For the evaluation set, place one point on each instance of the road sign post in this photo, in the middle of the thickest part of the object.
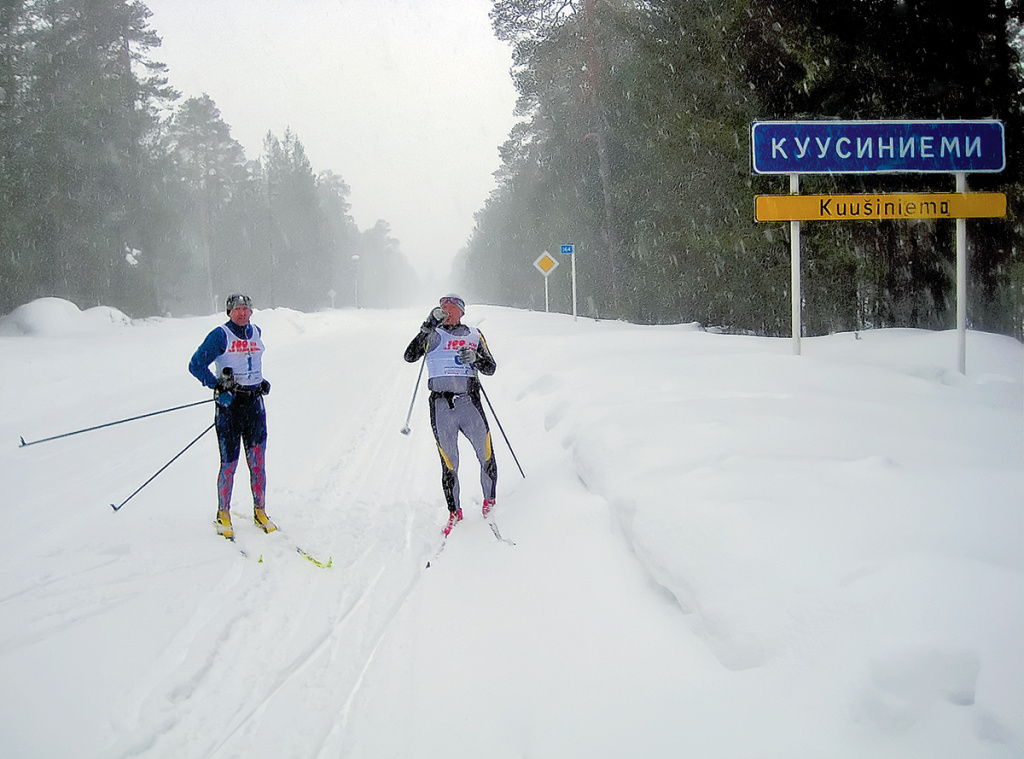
(795, 271)
(545, 264)
(570, 250)
(883, 147)
(961, 279)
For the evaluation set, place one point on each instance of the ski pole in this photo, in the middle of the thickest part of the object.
(498, 422)
(111, 424)
(405, 430)
(118, 507)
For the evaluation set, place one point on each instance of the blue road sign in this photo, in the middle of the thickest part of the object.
(884, 147)
(567, 250)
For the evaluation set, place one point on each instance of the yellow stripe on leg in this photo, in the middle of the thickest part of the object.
(444, 457)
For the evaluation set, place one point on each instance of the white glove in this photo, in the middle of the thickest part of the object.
(437, 316)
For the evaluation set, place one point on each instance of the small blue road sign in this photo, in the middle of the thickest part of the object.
(567, 250)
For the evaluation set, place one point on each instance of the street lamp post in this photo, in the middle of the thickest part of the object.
(355, 277)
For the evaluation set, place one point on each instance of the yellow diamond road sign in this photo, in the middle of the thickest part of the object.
(545, 263)
(951, 205)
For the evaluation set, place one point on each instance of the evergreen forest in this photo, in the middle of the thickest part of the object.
(112, 192)
(632, 144)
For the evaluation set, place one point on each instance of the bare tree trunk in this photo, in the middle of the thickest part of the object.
(600, 136)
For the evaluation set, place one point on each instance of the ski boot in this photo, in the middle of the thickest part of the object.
(488, 507)
(454, 517)
(259, 516)
(223, 523)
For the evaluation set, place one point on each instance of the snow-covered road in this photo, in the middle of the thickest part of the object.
(721, 549)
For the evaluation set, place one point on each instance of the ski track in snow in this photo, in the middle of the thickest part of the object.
(352, 477)
(348, 497)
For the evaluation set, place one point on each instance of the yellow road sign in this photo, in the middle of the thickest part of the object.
(545, 263)
(952, 205)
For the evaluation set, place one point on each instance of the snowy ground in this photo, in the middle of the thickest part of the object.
(723, 550)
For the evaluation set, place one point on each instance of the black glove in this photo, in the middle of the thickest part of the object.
(437, 316)
(223, 392)
(468, 355)
(264, 388)
(226, 381)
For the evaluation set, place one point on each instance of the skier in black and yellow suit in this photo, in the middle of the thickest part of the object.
(454, 354)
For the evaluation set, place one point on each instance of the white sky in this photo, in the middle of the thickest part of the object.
(406, 100)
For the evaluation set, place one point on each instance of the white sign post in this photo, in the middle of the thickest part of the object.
(570, 250)
(795, 269)
(961, 281)
(545, 264)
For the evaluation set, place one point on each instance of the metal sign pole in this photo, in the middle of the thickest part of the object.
(568, 249)
(961, 281)
(573, 262)
(794, 255)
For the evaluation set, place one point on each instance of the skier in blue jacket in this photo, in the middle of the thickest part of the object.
(236, 348)
(454, 354)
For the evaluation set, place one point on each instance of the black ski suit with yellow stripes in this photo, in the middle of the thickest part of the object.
(455, 407)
